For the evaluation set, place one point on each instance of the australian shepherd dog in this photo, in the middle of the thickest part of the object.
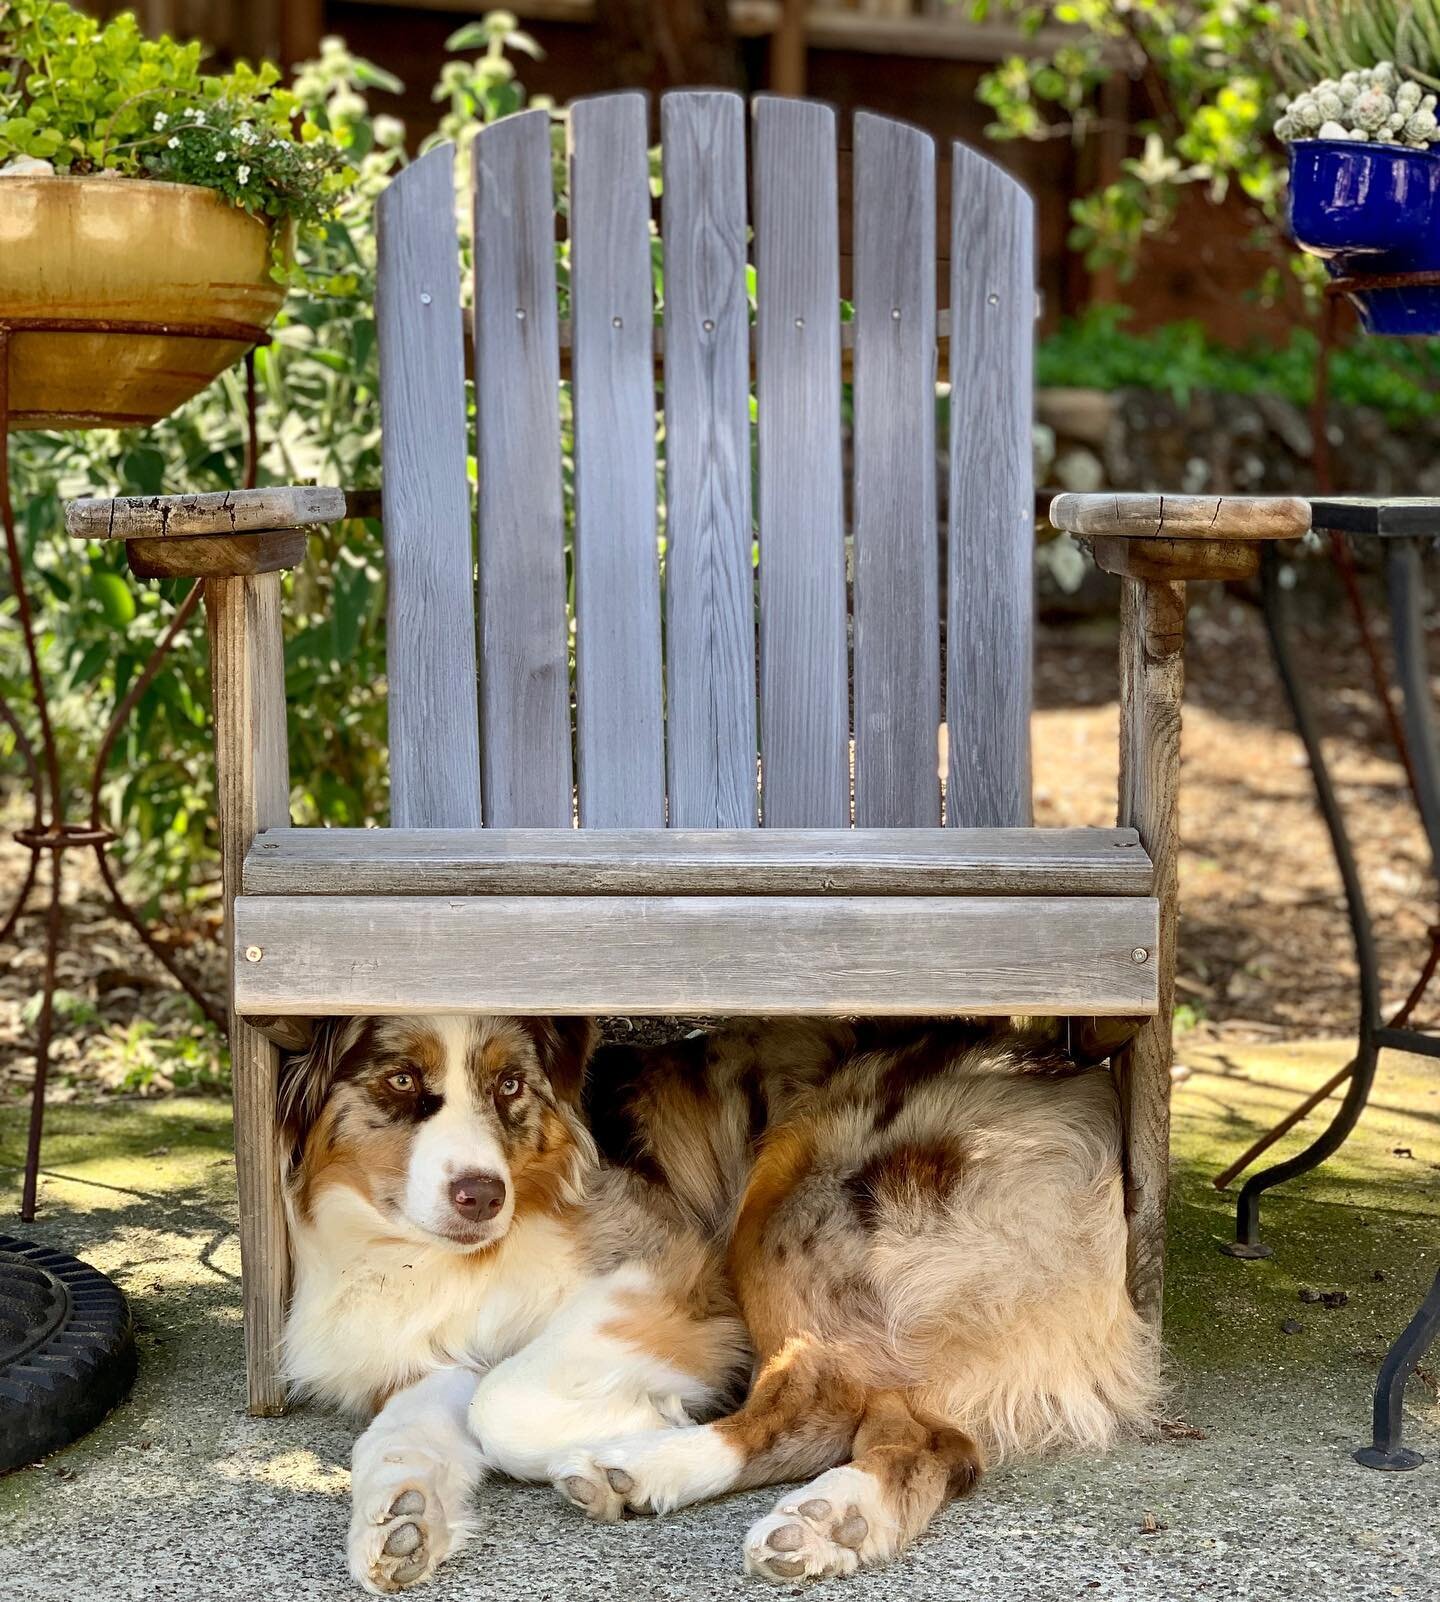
(863, 1261)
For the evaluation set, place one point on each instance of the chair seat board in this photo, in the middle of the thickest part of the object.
(897, 600)
(992, 495)
(441, 862)
(525, 754)
(709, 577)
(619, 745)
(804, 683)
(665, 955)
(430, 589)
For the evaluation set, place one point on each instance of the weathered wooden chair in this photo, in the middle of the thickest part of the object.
(482, 896)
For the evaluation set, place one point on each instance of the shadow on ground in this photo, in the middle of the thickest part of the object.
(180, 1496)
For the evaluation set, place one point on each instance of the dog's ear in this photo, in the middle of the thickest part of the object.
(564, 1046)
(307, 1077)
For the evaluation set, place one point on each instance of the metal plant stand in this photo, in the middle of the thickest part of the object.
(1405, 527)
(51, 832)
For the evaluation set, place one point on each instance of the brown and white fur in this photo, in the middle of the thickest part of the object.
(900, 1251)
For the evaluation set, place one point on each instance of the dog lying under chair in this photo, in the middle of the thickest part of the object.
(865, 1259)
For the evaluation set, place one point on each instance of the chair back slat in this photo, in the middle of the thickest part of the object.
(992, 495)
(897, 547)
(430, 616)
(619, 718)
(804, 695)
(709, 571)
(525, 762)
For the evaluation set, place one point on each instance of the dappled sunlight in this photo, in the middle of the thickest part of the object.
(298, 1469)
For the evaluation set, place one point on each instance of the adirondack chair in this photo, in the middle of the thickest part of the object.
(668, 899)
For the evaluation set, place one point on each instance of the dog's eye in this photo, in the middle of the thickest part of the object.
(403, 1081)
(511, 1085)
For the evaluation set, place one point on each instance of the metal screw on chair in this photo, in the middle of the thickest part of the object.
(253, 953)
(1139, 954)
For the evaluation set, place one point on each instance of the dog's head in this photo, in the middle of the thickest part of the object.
(449, 1127)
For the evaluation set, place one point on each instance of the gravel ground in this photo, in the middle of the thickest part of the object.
(1250, 1493)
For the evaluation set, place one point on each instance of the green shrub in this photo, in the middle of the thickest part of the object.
(319, 422)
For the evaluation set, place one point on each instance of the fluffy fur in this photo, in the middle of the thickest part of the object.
(879, 1256)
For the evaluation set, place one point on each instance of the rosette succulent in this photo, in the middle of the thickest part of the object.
(1374, 104)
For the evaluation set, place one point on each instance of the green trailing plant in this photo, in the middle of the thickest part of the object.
(79, 96)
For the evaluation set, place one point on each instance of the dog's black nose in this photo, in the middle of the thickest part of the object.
(477, 1196)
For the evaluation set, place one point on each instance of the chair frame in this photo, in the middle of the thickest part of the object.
(239, 544)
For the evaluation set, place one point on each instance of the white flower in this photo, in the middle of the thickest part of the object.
(245, 133)
(222, 155)
(160, 121)
(242, 174)
(173, 142)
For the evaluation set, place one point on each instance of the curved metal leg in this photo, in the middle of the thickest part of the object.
(1386, 1452)
(1247, 1216)
(1405, 583)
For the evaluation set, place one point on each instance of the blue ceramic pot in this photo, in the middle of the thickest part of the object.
(1371, 208)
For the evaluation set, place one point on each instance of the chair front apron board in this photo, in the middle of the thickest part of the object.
(698, 767)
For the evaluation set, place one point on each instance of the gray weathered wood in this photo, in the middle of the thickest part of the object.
(430, 573)
(1182, 517)
(684, 954)
(992, 496)
(253, 792)
(804, 695)
(1152, 685)
(525, 768)
(709, 570)
(1007, 862)
(159, 517)
(619, 720)
(897, 603)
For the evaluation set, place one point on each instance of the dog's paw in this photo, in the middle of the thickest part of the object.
(399, 1529)
(829, 1527)
(651, 1473)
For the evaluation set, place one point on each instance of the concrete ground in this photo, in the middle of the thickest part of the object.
(1250, 1493)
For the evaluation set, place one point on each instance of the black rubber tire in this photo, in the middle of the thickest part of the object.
(67, 1350)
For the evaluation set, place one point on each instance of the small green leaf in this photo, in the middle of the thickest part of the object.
(116, 598)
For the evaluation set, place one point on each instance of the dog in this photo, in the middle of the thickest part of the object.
(869, 1260)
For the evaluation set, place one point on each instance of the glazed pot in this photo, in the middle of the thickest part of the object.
(99, 252)
(1371, 209)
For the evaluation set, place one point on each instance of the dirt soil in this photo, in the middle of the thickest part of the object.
(1264, 951)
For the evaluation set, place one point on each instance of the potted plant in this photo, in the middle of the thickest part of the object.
(1362, 134)
(137, 189)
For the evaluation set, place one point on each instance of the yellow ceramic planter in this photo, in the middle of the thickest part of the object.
(94, 252)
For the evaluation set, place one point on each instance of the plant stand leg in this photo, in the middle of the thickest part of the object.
(253, 775)
(1152, 681)
(1386, 1452)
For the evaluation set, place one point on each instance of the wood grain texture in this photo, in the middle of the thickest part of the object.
(163, 517)
(1177, 559)
(204, 556)
(619, 716)
(1152, 682)
(992, 496)
(253, 779)
(430, 572)
(1183, 517)
(525, 766)
(897, 600)
(687, 954)
(445, 862)
(709, 572)
(804, 690)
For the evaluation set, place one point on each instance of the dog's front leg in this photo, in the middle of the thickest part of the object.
(412, 1475)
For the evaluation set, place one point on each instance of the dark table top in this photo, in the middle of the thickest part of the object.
(1394, 515)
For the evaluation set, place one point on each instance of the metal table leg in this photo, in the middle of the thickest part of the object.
(1386, 1452)
(1247, 1221)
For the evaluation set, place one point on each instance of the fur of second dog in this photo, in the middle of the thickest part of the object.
(901, 1252)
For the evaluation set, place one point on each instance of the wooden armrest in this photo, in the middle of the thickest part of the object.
(273, 510)
(1182, 517)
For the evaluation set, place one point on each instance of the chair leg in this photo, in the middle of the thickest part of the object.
(253, 774)
(1152, 681)
(1385, 1451)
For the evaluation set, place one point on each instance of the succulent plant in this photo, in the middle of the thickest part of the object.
(1367, 103)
